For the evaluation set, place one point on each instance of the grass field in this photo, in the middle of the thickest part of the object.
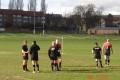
(78, 62)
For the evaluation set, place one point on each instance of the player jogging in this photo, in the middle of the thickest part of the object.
(97, 54)
(25, 55)
(34, 55)
(58, 48)
(107, 49)
(52, 53)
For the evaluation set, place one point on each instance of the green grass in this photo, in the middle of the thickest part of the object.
(78, 62)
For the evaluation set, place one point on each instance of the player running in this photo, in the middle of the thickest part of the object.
(97, 54)
(52, 53)
(25, 55)
(58, 48)
(107, 49)
(34, 55)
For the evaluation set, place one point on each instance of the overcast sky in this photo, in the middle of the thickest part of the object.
(65, 6)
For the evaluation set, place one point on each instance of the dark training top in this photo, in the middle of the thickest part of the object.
(34, 51)
(58, 47)
(97, 50)
(52, 53)
(25, 48)
(107, 50)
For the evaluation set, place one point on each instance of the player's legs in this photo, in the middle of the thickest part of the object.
(37, 65)
(25, 60)
(56, 65)
(52, 65)
(96, 63)
(106, 59)
(100, 63)
(24, 65)
(33, 63)
(59, 61)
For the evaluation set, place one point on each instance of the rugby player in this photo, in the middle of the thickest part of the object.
(97, 54)
(34, 55)
(25, 55)
(58, 48)
(52, 53)
(107, 49)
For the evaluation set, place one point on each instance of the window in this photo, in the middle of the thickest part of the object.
(14, 15)
(19, 20)
(0, 15)
(18, 15)
(38, 17)
(25, 16)
(25, 21)
(14, 20)
(0, 19)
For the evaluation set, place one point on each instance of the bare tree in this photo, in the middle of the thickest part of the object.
(68, 14)
(100, 10)
(79, 14)
(32, 5)
(12, 4)
(43, 6)
(89, 17)
(90, 8)
(79, 10)
(99, 13)
(86, 17)
(19, 5)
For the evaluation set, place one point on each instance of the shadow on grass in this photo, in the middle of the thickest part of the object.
(90, 69)
(84, 69)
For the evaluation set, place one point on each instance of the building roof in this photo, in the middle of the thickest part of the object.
(20, 12)
(116, 19)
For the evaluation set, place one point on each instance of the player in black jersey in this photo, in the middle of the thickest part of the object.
(58, 48)
(97, 54)
(25, 55)
(52, 53)
(34, 55)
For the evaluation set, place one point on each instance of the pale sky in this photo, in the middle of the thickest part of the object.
(66, 6)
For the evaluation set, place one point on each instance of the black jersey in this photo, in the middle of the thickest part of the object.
(52, 53)
(25, 56)
(58, 48)
(34, 51)
(97, 50)
(25, 48)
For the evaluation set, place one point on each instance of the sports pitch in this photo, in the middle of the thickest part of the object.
(78, 62)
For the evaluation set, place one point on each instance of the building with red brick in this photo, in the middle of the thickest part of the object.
(17, 18)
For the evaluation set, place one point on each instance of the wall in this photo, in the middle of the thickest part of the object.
(94, 31)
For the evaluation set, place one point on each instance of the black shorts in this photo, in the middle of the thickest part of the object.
(107, 54)
(97, 56)
(58, 54)
(25, 57)
(53, 58)
(34, 58)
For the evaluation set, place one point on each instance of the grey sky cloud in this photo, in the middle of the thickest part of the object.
(62, 6)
